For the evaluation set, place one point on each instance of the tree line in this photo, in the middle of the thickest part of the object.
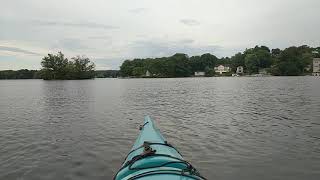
(35, 74)
(291, 61)
(106, 73)
(20, 74)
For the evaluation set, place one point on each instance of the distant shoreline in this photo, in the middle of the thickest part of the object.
(159, 78)
(248, 76)
(35, 74)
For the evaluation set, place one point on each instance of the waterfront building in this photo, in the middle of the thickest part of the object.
(316, 67)
(222, 69)
(147, 73)
(239, 70)
(199, 73)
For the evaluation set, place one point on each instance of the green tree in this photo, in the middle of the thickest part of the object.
(292, 61)
(252, 63)
(81, 68)
(54, 66)
(275, 52)
(263, 54)
(126, 68)
(209, 72)
(264, 57)
(181, 65)
(208, 60)
(138, 71)
(316, 52)
(196, 64)
(237, 60)
(200, 63)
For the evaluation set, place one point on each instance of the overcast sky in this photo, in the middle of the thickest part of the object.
(110, 31)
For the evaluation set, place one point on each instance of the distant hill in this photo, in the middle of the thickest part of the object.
(35, 74)
(106, 73)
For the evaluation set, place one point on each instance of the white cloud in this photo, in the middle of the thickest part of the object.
(17, 50)
(190, 22)
(138, 10)
(73, 24)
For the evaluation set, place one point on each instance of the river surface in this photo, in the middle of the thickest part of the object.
(228, 128)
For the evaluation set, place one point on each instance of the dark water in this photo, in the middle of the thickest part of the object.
(229, 128)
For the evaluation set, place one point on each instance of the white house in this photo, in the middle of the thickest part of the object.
(199, 73)
(222, 69)
(148, 73)
(316, 67)
(239, 70)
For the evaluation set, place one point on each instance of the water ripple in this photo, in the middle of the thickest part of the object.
(229, 128)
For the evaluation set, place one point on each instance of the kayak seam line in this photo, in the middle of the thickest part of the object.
(129, 164)
(155, 172)
(163, 144)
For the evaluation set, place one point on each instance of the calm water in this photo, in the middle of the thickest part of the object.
(229, 128)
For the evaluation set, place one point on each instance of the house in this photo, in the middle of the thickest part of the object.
(148, 73)
(316, 67)
(222, 69)
(199, 73)
(239, 70)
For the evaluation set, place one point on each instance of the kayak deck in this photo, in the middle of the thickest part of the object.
(151, 157)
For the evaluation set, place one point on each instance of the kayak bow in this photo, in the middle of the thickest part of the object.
(152, 157)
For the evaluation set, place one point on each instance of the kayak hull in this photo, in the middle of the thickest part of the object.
(151, 157)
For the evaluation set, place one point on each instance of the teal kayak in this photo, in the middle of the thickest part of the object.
(153, 158)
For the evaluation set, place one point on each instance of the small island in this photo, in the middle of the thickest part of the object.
(57, 67)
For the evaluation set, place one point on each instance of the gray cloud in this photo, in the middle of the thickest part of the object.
(48, 26)
(75, 24)
(137, 10)
(99, 37)
(187, 41)
(70, 44)
(190, 22)
(17, 50)
(107, 63)
(152, 48)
